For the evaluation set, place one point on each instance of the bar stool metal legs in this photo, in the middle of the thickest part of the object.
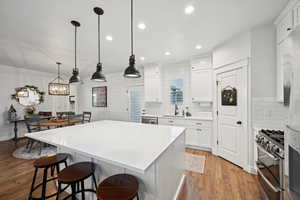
(75, 175)
(46, 163)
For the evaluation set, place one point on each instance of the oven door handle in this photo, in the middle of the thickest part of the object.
(275, 189)
(270, 155)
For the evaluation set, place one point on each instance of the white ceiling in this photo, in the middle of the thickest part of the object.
(36, 33)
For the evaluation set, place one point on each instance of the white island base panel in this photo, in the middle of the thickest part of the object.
(163, 180)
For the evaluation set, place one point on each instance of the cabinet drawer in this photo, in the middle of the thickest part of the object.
(166, 121)
(200, 137)
(198, 123)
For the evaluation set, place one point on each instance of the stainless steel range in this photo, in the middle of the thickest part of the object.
(270, 162)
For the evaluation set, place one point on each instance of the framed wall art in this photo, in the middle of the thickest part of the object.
(229, 96)
(99, 96)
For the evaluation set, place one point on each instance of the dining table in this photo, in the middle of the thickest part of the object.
(57, 122)
(16, 121)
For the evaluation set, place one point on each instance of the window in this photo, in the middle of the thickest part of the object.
(176, 91)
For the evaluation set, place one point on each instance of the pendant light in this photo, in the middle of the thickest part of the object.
(57, 86)
(131, 71)
(75, 77)
(98, 75)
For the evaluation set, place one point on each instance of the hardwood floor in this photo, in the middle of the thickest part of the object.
(220, 181)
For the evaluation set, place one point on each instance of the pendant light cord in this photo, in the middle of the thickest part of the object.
(99, 39)
(58, 66)
(131, 27)
(75, 47)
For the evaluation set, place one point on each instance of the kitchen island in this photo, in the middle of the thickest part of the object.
(152, 153)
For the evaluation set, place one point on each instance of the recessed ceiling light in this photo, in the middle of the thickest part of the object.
(142, 26)
(167, 53)
(109, 38)
(189, 9)
(142, 58)
(198, 46)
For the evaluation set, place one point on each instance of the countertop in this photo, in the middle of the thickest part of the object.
(134, 146)
(204, 117)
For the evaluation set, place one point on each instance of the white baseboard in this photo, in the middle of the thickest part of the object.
(250, 169)
(180, 186)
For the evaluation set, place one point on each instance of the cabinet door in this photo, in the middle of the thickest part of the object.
(201, 63)
(204, 137)
(201, 85)
(284, 62)
(192, 137)
(152, 84)
(297, 15)
(285, 27)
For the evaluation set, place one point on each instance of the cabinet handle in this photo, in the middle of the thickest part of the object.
(198, 129)
(171, 121)
(288, 29)
(198, 123)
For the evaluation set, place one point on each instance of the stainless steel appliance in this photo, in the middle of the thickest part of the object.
(294, 162)
(149, 120)
(270, 162)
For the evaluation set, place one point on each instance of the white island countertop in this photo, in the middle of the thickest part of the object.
(133, 146)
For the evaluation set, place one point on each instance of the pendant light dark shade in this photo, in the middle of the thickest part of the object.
(98, 75)
(75, 77)
(131, 71)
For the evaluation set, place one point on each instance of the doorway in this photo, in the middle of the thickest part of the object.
(231, 105)
(136, 103)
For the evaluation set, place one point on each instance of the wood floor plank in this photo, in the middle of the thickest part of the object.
(221, 179)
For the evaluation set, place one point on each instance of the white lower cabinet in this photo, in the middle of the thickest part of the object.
(198, 133)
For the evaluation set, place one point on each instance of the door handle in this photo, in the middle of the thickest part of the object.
(239, 122)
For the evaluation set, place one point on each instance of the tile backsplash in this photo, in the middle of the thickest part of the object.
(268, 113)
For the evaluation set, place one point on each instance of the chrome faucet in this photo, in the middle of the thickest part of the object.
(176, 110)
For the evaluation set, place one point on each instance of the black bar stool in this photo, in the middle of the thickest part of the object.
(120, 186)
(74, 175)
(46, 163)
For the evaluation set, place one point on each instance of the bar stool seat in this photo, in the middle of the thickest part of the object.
(76, 172)
(50, 160)
(75, 175)
(45, 163)
(120, 186)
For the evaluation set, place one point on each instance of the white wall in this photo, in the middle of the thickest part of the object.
(266, 111)
(172, 71)
(259, 45)
(11, 78)
(263, 62)
(233, 50)
(117, 98)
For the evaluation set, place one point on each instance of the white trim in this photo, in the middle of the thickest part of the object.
(245, 65)
(265, 99)
(180, 186)
(288, 8)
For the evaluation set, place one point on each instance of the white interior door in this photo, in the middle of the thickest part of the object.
(136, 103)
(230, 115)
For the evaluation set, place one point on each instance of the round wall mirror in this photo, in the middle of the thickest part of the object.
(28, 96)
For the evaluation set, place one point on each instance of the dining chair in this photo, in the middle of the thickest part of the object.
(45, 113)
(70, 117)
(86, 117)
(30, 128)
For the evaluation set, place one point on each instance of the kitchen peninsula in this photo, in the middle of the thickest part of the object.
(152, 153)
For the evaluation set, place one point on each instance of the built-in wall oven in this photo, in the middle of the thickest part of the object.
(270, 162)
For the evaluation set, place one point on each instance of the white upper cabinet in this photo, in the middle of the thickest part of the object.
(297, 15)
(153, 84)
(201, 80)
(285, 27)
(284, 63)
